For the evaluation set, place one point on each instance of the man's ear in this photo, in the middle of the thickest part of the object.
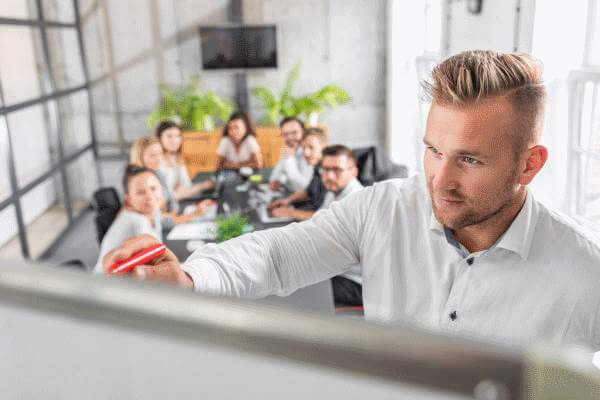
(355, 171)
(126, 200)
(536, 157)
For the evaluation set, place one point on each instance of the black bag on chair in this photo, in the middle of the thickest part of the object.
(374, 166)
(107, 205)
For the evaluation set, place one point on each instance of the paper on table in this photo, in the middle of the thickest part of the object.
(193, 230)
(193, 245)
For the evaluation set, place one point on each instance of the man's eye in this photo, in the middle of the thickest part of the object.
(433, 150)
(471, 160)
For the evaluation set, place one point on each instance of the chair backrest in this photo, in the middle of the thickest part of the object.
(374, 166)
(106, 198)
(107, 205)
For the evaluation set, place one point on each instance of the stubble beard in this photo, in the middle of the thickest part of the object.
(473, 215)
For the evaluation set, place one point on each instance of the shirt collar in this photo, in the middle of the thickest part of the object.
(518, 236)
(353, 185)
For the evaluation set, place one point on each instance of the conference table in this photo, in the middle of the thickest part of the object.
(235, 196)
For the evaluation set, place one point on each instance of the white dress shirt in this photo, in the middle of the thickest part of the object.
(293, 172)
(175, 175)
(248, 147)
(355, 273)
(539, 281)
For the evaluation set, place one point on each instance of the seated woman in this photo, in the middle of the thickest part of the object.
(172, 169)
(238, 147)
(140, 214)
(147, 152)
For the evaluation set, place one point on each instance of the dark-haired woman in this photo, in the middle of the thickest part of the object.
(238, 147)
(172, 168)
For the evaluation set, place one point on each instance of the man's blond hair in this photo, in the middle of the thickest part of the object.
(476, 75)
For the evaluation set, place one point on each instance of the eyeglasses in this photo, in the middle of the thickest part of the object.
(337, 171)
(290, 133)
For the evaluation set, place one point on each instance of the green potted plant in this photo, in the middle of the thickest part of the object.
(309, 106)
(192, 107)
(231, 226)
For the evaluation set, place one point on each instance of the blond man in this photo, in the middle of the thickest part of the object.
(465, 248)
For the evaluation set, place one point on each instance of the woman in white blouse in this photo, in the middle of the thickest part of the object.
(141, 212)
(238, 147)
(172, 168)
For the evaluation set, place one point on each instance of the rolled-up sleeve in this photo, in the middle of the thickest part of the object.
(281, 260)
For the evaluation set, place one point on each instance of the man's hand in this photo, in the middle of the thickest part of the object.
(207, 184)
(274, 185)
(164, 268)
(203, 206)
(283, 212)
(279, 203)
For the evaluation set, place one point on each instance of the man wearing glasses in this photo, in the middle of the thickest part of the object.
(338, 173)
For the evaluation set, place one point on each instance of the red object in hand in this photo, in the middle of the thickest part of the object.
(139, 258)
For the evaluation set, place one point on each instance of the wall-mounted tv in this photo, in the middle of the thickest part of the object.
(238, 47)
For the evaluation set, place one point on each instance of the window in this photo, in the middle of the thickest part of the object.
(584, 126)
(584, 149)
(47, 165)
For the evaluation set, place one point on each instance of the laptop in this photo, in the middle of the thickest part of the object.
(265, 218)
(213, 194)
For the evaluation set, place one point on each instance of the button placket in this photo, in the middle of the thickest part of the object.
(451, 315)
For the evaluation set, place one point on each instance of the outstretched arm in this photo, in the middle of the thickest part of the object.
(279, 261)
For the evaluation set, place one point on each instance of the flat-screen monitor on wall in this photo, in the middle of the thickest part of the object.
(238, 47)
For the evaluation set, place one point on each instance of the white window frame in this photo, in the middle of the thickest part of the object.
(577, 196)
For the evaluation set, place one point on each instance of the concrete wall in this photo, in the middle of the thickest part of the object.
(335, 41)
(503, 25)
(135, 45)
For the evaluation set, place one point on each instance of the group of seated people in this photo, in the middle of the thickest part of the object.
(156, 181)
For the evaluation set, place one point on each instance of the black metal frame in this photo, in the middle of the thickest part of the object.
(59, 167)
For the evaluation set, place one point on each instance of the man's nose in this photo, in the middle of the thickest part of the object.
(446, 176)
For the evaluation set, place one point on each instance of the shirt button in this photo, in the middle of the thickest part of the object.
(453, 316)
(470, 260)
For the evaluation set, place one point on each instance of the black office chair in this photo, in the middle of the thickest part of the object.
(107, 204)
(374, 166)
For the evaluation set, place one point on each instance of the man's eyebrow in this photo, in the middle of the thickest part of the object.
(470, 153)
(461, 152)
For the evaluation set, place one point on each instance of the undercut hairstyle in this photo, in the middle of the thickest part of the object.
(315, 131)
(138, 147)
(290, 119)
(339, 150)
(247, 123)
(133, 170)
(472, 76)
